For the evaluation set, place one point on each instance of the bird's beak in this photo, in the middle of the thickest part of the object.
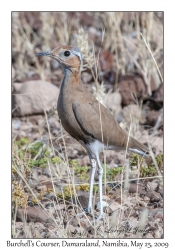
(48, 53)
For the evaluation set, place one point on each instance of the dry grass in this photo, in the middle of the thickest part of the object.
(119, 33)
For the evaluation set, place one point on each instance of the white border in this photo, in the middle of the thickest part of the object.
(5, 96)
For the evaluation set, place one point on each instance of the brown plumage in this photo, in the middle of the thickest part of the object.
(84, 118)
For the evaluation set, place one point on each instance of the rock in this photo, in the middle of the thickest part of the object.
(105, 197)
(106, 60)
(154, 196)
(154, 117)
(19, 224)
(33, 214)
(129, 84)
(157, 145)
(60, 206)
(84, 161)
(42, 188)
(133, 222)
(74, 222)
(161, 192)
(149, 236)
(87, 77)
(152, 185)
(113, 102)
(82, 200)
(161, 204)
(42, 179)
(157, 234)
(158, 211)
(32, 104)
(142, 203)
(104, 204)
(159, 214)
(13, 72)
(147, 199)
(72, 229)
(158, 94)
(133, 188)
(90, 230)
(16, 124)
(115, 205)
(131, 112)
(17, 87)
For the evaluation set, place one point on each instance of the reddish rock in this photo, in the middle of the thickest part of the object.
(133, 188)
(154, 196)
(131, 84)
(34, 214)
(37, 96)
(106, 60)
(158, 94)
(153, 116)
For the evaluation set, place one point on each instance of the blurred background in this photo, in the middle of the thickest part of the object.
(118, 66)
(122, 66)
(115, 54)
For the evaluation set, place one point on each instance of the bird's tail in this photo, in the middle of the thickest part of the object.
(137, 147)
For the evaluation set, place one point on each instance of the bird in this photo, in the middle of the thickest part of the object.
(86, 119)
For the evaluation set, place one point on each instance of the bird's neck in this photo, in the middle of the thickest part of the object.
(70, 83)
(72, 76)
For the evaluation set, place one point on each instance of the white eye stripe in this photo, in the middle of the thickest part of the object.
(78, 54)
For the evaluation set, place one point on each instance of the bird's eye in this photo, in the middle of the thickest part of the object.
(67, 53)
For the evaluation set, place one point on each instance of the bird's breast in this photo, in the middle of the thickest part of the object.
(66, 115)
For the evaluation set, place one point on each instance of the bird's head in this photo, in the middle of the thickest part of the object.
(68, 57)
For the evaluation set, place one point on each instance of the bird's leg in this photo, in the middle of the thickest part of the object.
(93, 166)
(100, 174)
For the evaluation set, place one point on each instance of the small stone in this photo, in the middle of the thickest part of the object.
(74, 223)
(154, 196)
(13, 72)
(60, 206)
(159, 215)
(82, 201)
(104, 204)
(105, 197)
(115, 205)
(33, 214)
(149, 236)
(133, 188)
(38, 95)
(157, 234)
(152, 185)
(161, 192)
(72, 229)
(86, 77)
(147, 199)
(16, 124)
(18, 224)
(159, 212)
(142, 203)
(161, 204)
(42, 188)
(113, 102)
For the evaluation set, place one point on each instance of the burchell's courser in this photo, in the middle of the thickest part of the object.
(85, 119)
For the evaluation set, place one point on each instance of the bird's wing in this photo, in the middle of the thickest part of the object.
(96, 121)
(87, 118)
